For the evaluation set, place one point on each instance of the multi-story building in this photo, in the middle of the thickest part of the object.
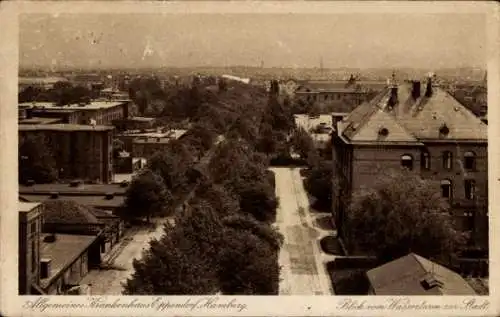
(97, 112)
(80, 151)
(30, 226)
(420, 127)
(351, 92)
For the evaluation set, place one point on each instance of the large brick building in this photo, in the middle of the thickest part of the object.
(98, 112)
(419, 126)
(80, 151)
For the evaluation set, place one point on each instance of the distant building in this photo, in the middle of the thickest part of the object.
(352, 92)
(134, 123)
(128, 136)
(415, 275)
(39, 82)
(80, 151)
(99, 112)
(420, 127)
(320, 128)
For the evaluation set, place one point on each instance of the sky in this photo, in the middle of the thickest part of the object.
(278, 40)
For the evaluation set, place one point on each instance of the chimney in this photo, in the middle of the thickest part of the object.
(428, 88)
(415, 92)
(45, 268)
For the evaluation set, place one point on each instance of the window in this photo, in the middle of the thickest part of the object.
(426, 160)
(468, 223)
(447, 160)
(470, 189)
(407, 161)
(446, 188)
(469, 161)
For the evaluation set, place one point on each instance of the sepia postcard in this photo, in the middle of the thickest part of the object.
(288, 158)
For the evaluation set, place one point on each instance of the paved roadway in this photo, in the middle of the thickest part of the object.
(108, 282)
(303, 269)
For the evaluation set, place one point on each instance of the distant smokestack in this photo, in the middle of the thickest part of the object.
(415, 92)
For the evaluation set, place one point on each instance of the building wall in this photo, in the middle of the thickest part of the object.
(359, 167)
(85, 155)
(29, 250)
(71, 276)
(368, 162)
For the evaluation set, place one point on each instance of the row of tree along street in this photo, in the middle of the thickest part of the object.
(222, 239)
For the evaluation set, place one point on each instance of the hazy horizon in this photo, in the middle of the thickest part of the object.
(420, 41)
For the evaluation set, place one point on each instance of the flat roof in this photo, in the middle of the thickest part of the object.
(153, 140)
(27, 206)
(97, 201)
(94, 105)
(90, 189)
(63, 252)
(39, 120)
(64, 127)
(139, 119)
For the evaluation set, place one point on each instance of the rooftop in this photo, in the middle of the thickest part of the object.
(438, 117)
(64, 127)
(342, 85)
(415, 275)
(63, 252)
(27, 206)
(94, 105)
(95, 201)
(63, 211)
(82, 189)
(153, 140)
(137, 119)
(39, 120)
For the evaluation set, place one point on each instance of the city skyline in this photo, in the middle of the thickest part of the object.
(277, 40)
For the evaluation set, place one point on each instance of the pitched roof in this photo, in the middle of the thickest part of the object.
(405, 276)
(68, 212)
(411, 120)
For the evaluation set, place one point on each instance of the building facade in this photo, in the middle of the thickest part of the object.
(420, 127)
(30, 226)
(80, 151)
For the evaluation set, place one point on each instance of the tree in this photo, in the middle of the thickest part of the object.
(319, 183)
(117, 147)
(402, 214)
(147, 196)
(248, 265)
(172, 165)
(249, 259)
(302, 142)
(36, 161)
(166, 269)
(222, 201)
(258, 199)
(185, 260)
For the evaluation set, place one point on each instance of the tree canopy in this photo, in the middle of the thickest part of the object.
(319, 182)
(147, 196)
(402, 214)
